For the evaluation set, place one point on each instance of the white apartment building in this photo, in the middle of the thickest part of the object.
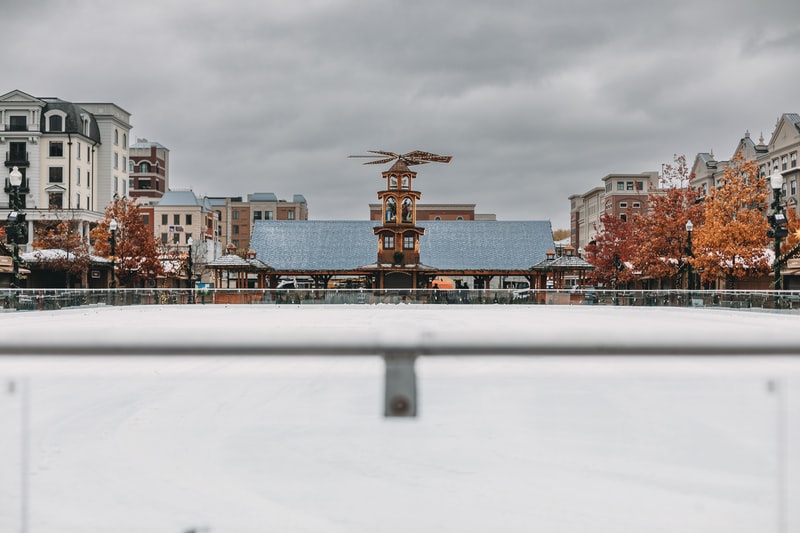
(72, 156)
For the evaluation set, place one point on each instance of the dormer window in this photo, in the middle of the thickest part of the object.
(55, 123)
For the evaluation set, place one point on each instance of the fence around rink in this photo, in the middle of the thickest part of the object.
(50, 299)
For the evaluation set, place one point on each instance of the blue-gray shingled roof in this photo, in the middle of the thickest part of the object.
(446, 245)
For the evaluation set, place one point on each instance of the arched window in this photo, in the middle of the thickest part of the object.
(116, 136)
(406, 182)
(124, 140)
(391, 210)
(55, 123)
(392, 182)
(144, 166)
(407, 209)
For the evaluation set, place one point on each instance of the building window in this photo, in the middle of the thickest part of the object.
(144, 166)
(636, 205)
(437, 218)
(793, 159)
(78, 200)
(124, 140)
(56, 174)
(392, 181)
(18, 153)
(623, 205)
(188, 220)
(256, 215)
(762, 171)
(188, 238)
(774, 165)
(17, 123)
(406, 182)
(784, 163)
(164, 220)
(116, 160)
(88, 154)
(290, 215)
(235, 230)
(408, 242)
(56, 149)
(629, 185)
(176, 220)
(116, 185)
(55, 123)
(459, 218)
(78, 151)
(77, 176)
(388, 242)
(639, 185)
(116, 136)
(624, 217)
(55, 200)
(124, 163)
(793, 187)
(176, 238)
(620, 185)
(88, 179)
(146, 219)
(268, 215)
(235, 215)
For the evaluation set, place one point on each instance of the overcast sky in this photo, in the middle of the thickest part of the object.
(535, 100)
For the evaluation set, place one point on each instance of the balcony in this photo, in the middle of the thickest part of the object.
(23, 189)
(18, 159)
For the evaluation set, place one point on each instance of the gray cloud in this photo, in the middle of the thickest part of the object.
(534, 100)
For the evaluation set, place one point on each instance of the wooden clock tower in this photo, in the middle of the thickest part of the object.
(398, 235)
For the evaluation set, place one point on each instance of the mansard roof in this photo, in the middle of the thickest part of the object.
(73, 122)
(446, 245)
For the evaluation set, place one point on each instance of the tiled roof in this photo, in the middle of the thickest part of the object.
(446, 245)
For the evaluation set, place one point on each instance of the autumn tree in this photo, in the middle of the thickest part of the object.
(613, 246)
(661, 249)
(64, 235)
(732, 242)
(136, 248)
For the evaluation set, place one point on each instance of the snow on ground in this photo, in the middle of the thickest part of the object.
(298, 444)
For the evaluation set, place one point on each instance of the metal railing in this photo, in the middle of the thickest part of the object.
(51, 299)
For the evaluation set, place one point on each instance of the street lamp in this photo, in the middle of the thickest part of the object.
(689, 228)
(17, 230)
(190, 273)
(779, 227)
(112, 240)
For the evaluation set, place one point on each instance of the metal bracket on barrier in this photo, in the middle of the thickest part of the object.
(401, 385)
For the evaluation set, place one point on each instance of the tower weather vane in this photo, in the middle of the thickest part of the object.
(417, 157)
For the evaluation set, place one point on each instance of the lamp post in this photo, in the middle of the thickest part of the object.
(778, 230)
(690, 274)
(16, 228)
(112, 240)
(190, 273)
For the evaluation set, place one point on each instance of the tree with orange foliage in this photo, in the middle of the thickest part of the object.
(612, 247)
(731, 244)
(661, 248)
(64, 236)
(136, 248)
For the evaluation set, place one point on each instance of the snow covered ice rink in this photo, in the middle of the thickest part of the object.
(298, 444)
